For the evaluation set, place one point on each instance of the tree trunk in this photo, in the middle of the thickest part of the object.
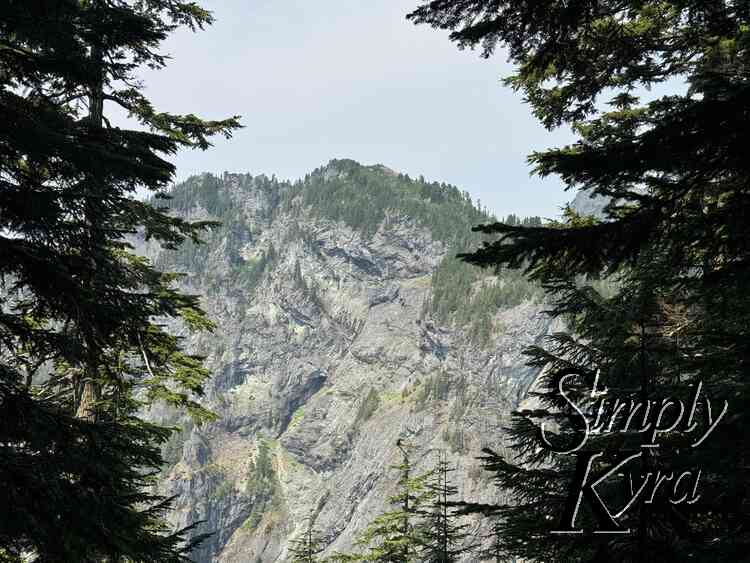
(87, 404)
(91, 391)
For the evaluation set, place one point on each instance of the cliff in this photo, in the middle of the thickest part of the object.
(343, 324)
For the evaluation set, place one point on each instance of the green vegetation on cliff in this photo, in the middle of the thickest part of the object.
(365, 198)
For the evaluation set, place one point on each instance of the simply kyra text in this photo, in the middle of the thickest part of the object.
(696, 418)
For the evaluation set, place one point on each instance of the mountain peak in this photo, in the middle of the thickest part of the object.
(347, 165)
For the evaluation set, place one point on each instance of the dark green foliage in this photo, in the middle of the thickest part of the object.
(75, 303)
(222, 200)
(445, 537)
(454, 280)
(674, 241)
(396, 535)
(307, 547)
(261, 470)
(495, 551)
(205, 191)
(263, 486)
(424, 525)
(55, 469)
(363, 196)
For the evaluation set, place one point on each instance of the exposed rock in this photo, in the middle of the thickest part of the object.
(587, 203)
(336, 315)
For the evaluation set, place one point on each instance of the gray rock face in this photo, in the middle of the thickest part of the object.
(320, 367)
(587, 203)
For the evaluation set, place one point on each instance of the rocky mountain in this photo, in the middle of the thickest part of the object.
(343, 324)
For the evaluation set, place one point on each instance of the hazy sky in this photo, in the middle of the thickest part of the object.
(332, 79)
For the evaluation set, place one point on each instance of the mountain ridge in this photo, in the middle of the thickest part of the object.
(339, 333)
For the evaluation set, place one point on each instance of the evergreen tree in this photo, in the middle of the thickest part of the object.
(81, 351)
(445, 536)
(308, 546)
(674, 239)
(396, 535)
(495, 552)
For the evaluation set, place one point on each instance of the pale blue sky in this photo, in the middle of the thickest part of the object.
(333, 79)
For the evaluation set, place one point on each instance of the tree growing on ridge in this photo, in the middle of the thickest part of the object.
(76, 460)
(674, 238)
